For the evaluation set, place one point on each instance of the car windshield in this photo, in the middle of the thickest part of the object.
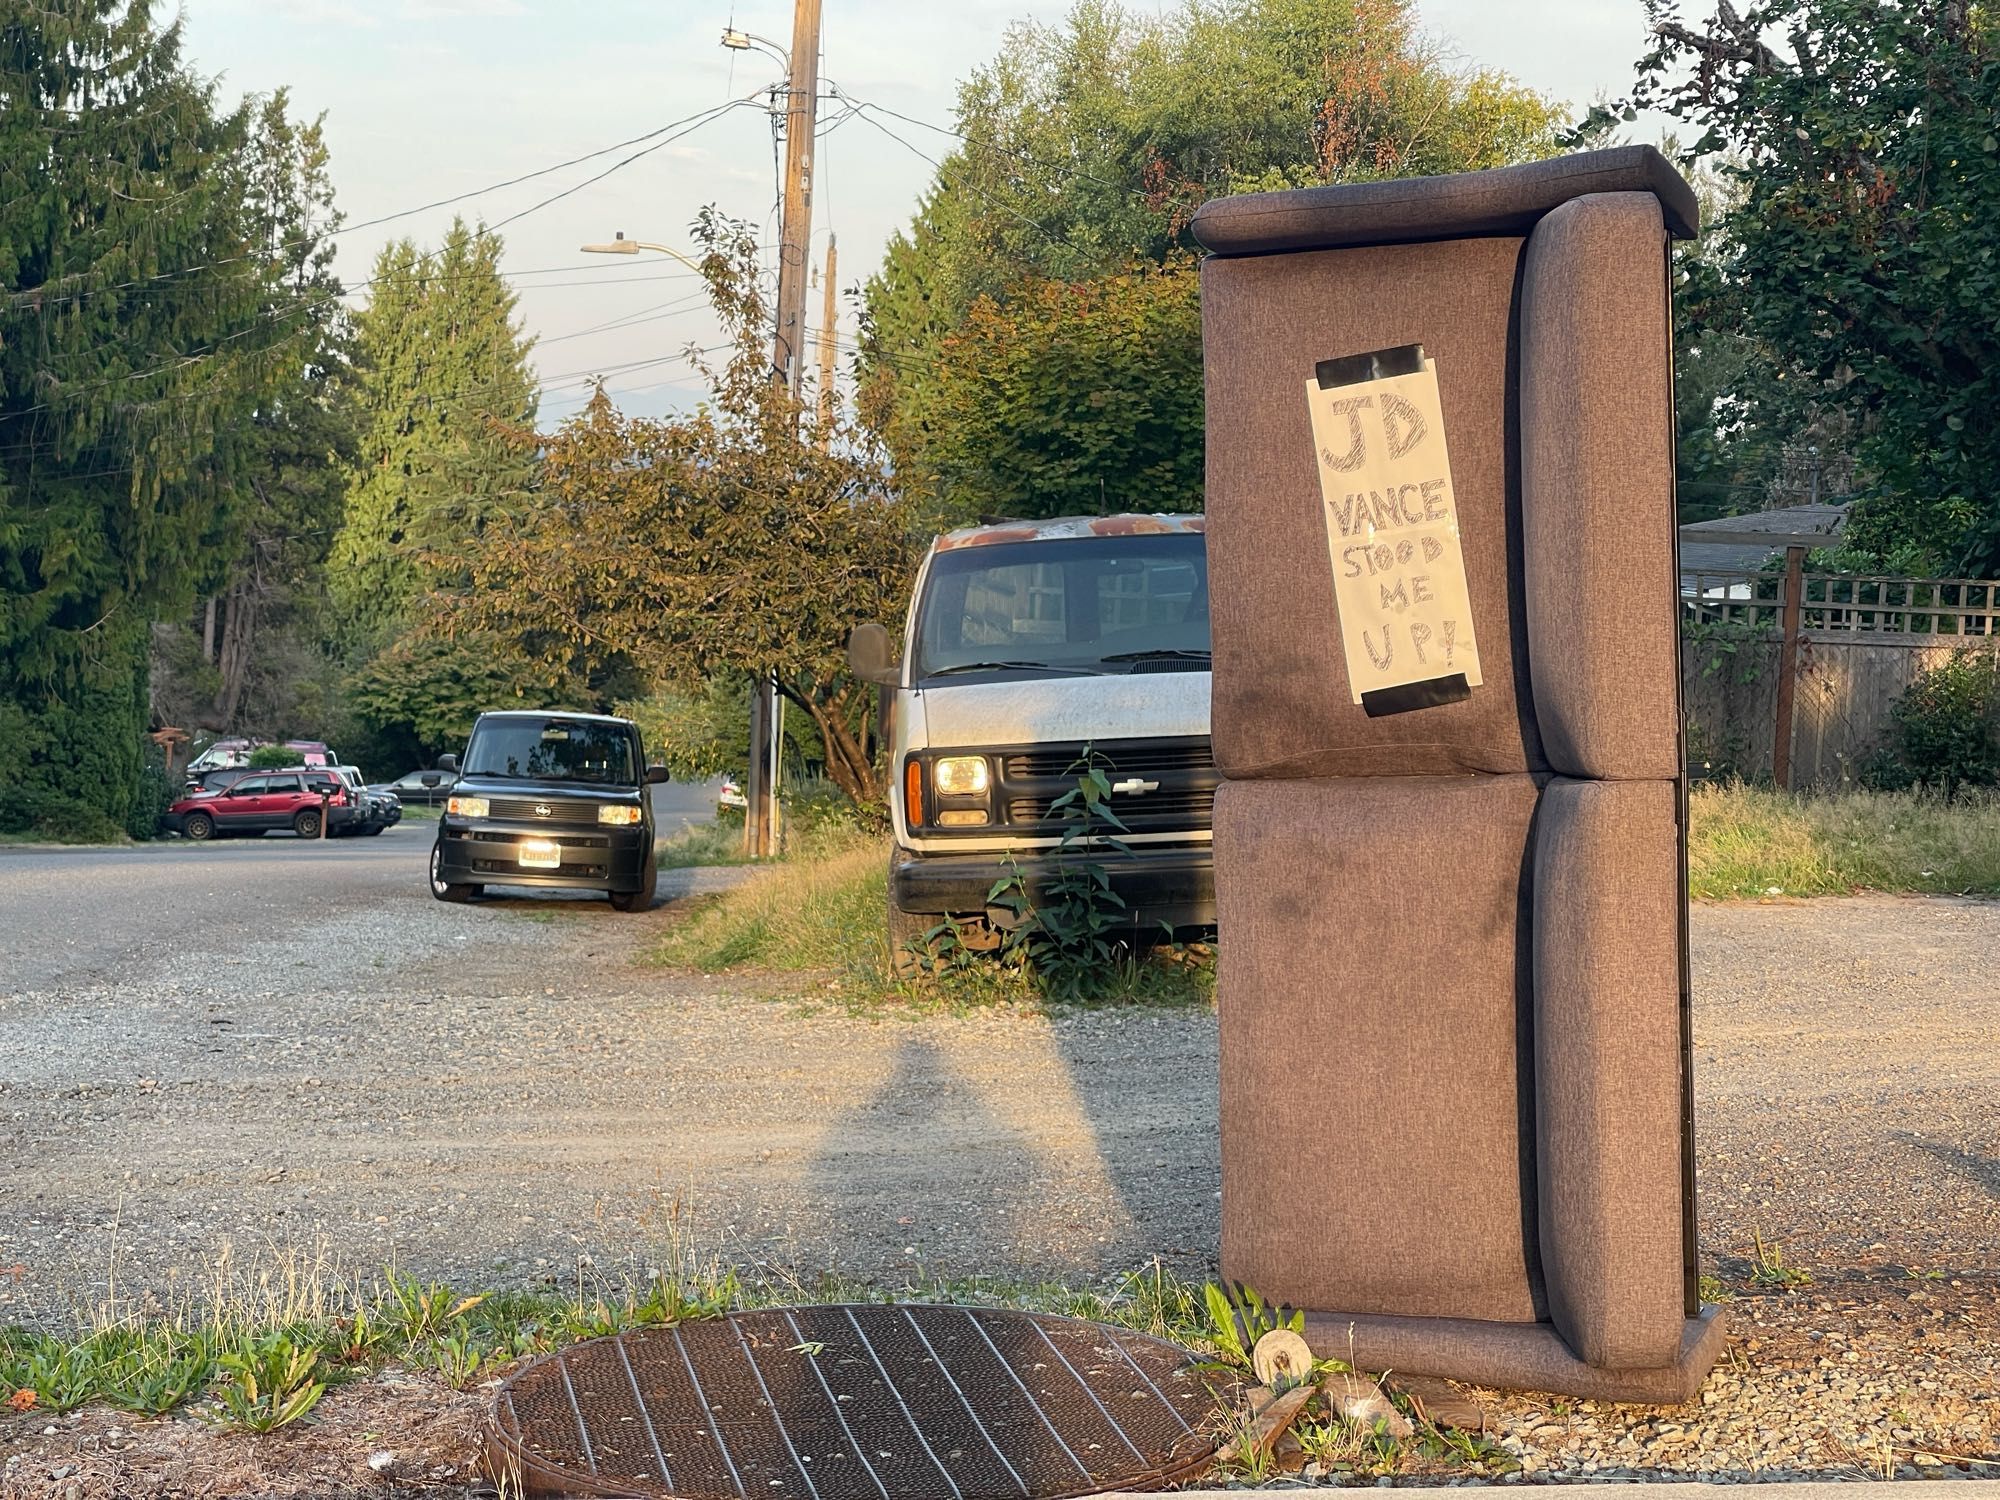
(1084, 604)
(553, 749)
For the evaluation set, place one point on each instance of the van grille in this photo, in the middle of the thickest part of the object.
(1177, 794)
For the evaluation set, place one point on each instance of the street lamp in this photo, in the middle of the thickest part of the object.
(623, 246)
(743, 41)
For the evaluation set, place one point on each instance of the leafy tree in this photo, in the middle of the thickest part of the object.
(421, 694)
(1865, 149)
(746, 536)
(447, 404)
(1051, 413)
(706, 732)
(1087, 147)
(136, 336)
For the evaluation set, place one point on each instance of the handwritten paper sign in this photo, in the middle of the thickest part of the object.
(1392, 530)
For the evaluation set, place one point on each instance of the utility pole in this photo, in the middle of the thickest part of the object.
(828, 321)
(787, 357)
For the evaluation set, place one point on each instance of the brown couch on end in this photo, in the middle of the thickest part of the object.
(1455, 1093)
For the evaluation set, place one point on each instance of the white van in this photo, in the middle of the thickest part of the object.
(1027, 644)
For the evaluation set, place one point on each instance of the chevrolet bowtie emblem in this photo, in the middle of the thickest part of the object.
(1135, 787)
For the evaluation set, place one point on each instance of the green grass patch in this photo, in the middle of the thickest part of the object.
(819, 912)
(259, 1368)
(822, 912)
(1746, 841)
(704, 844)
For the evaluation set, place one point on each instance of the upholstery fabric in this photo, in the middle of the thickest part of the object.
(1281, 705)
(1597, 484)
(1451, 967)
(1513, 1356)
(1508, 201)
(1607, 1037)
(1376, 1143)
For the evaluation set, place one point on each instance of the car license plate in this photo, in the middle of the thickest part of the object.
(540, 854)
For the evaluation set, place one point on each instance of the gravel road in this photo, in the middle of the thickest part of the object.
(291, 1048)
(273, 1043)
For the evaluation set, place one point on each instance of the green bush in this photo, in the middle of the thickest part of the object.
(272, 758)
(1947, 727)
(154, 795)
(59, 819)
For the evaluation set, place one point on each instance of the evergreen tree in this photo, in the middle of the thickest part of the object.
(248, 657)
(447, 409)
(135, 337)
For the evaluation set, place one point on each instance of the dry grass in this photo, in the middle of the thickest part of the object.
(822, 911)
(1746, 841)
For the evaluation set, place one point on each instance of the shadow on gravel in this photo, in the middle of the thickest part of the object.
(1982, 1171)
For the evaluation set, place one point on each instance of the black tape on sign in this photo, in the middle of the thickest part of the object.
(1351, 369)
(1408, 697)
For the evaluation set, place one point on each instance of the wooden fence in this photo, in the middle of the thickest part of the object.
(1791, 675)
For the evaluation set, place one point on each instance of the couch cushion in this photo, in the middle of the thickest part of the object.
(1376, 1150)
(1281, 705)
(1597, 489)
(1607, 1027)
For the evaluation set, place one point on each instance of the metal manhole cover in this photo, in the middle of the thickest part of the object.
(856, 1403)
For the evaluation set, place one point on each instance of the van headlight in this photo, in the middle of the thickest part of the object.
(468, 807)
(618, 813)
(961, 776)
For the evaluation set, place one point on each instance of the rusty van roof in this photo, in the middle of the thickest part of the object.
(1067, 528)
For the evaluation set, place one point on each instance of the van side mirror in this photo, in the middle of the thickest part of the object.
(656, 775)
(447, 762)
(868, 656)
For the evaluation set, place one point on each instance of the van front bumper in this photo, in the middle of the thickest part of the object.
(486, 852)
(1173, 885)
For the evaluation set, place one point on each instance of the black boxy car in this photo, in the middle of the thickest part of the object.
(549, 799)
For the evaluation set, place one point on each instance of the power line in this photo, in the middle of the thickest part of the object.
(690, 122)
(679, 128)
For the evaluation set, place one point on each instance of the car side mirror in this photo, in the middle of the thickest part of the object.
(656, 774)
(869, 658)
(447, 762)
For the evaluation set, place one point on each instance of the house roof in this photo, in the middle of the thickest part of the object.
(1743, 544)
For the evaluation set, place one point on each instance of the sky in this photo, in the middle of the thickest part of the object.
(429, 99)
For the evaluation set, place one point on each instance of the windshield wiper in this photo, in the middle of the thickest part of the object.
(1160, 656)
(1009, 666)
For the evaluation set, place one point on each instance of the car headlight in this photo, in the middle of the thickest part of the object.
(618, 813)
(961, 776)
(469, 807)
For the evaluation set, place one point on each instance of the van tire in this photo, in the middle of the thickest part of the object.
(908, 949)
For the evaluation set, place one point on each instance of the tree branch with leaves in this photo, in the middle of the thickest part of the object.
(746, 536)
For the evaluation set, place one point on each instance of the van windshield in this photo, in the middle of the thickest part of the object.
(1085, 604)
(553, 749)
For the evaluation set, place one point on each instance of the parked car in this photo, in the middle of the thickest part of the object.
(1030, 644)
(549, 799)
(379, 810)
(259, 801)
(428, 787)
(731, 795)
(234, 754)
(213, 778)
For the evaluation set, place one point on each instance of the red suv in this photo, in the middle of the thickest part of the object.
(262, 800)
